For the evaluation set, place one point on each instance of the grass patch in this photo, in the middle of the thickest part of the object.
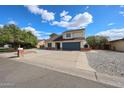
(7, 50)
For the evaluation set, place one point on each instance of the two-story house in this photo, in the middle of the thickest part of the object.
(69, 40)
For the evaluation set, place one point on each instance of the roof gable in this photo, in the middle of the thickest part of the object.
(76, 30)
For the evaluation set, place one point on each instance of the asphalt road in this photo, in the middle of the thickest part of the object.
(18, 74)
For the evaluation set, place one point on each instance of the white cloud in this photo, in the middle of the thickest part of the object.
(45, 15)
(113, 34)
(1, 25)
(64, 16)
(34, 9)
(121, 13)
(64, 13)
(12, 22)
(80, 20)
(61, 24)
(9, 22)
(66, 20)
(39, 34)
(110, 24)
(29, 28)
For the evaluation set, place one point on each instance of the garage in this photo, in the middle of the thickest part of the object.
(71, 45)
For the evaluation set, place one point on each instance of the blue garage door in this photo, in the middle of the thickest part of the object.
(71, 45)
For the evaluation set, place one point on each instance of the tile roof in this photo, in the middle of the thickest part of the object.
(75, 30)
(117, 40)
(59, 38)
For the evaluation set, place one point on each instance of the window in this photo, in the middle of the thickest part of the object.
(68, 35)
(49, 45)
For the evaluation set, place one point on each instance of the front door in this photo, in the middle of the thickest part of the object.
(57, 46)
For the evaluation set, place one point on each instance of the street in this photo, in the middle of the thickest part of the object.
(22, 75)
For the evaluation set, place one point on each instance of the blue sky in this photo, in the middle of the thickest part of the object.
(46, 19)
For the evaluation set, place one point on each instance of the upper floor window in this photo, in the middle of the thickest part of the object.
(68, 35)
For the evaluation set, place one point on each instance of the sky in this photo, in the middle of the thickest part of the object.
(46, 19)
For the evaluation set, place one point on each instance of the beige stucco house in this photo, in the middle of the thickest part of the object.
(68, 40)
(117, 45)
(40, 44)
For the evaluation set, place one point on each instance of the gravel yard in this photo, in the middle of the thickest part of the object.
(108, 62)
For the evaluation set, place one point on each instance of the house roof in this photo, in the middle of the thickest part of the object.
(73, 39)
(117, 40)
(74, 30)
(52, 39)
(61, 39)
(41, 40)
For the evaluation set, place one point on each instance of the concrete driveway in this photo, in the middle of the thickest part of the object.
(64, 59)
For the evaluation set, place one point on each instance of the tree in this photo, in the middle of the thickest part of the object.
(30, 38)
(53, 35)
(2, 39)
(13, 34)
(16, 36)
(97, 41)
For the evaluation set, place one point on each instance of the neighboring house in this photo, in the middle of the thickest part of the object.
(40, 44)
(69, 40)
(117, 45)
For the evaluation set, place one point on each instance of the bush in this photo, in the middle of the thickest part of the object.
(97, 42)
(7, 50)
